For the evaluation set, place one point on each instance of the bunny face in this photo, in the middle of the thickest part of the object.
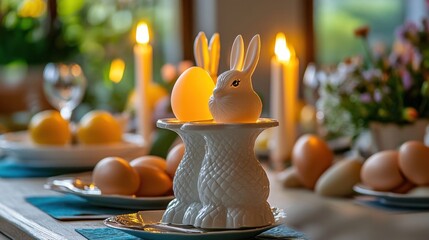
(232, 82)
(234, 99)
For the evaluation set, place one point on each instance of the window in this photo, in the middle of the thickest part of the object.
(335, 20)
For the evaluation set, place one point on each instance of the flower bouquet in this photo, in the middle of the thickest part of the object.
(384, 87)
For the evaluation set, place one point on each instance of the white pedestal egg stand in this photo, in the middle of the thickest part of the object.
(220, 167)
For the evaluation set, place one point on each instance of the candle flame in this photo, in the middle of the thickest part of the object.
(142, 33)
(281, 49)
(117, 68)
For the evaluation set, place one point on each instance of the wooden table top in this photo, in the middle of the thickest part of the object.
(318, 217)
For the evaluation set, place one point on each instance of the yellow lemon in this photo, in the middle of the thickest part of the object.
(49, 128)
(99, 127)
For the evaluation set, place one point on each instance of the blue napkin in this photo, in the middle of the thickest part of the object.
(281, 233)
(70, 207)
(12, 169)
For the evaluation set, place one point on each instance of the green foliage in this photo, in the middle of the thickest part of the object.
(162, 143)
(89, 32)
(33, 34)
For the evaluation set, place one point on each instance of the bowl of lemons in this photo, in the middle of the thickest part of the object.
(52, 141)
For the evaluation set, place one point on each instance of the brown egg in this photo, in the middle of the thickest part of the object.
(381, 171)
(153, 181)
(414, 162)
(150, 160)
(311, 156)
(114, 175)
(174, 157)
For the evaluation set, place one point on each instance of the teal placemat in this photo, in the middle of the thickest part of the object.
(280, 233)
(105, 233)
(70, 207)
(12, 169)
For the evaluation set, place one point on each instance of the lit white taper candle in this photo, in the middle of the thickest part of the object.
(284, 93)
(143, 77)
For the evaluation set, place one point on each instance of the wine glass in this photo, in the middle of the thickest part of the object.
(64, 86)
(310, 83)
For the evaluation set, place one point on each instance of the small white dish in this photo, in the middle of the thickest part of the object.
(394, 199)
(146, 225)
(23, 151)
(80, 185)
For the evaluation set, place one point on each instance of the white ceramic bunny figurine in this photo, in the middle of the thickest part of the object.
(234, 99)
(207, 56)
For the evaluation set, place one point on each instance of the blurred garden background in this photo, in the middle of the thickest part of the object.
(94, 34)
(100, 34)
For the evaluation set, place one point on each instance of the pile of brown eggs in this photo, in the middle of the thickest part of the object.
(146, 176)
(398, 171)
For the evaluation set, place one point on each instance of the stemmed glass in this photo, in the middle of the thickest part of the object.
(310, 83)
(64, 86)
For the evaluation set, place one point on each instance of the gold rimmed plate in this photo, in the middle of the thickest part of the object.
(146, 225)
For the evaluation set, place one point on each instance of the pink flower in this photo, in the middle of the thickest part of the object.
(406, 79)
(365, 98)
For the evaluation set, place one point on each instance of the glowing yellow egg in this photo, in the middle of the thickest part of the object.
(190, 95)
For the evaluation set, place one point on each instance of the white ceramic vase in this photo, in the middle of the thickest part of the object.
(232, 185)
(388, 136)
(185, 207)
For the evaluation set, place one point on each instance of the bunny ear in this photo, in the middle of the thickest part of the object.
(237, 54)
(252, 55)
(201, 51)
(214, 53)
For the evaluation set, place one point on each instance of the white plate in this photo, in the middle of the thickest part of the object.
(80, 185)
(394, 199)
(19, 146)
(145, 225)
